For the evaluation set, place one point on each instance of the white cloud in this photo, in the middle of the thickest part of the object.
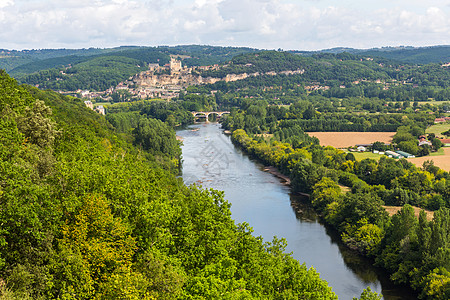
(302, 24)
(5, 3)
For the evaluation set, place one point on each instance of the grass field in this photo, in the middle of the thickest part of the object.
(437, 129)
(102, 103)
(348, 139)
(440, 152)
(364, 155)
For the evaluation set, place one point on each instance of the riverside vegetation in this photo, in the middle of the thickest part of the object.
(269, 117)
(87, 215)
(350, 194)
(92, 208)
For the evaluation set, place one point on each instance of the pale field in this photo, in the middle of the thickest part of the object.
(392, 210)
(441, 161)
(349, 139)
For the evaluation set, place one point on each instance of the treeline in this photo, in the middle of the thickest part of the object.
(258, 117)
(414, 250)
(316, 68)
(332, 76)
(280, 86)
(97, 74)
(172, 113)
(424, 55)
(86, 215)
(203, 55)
(339, 125)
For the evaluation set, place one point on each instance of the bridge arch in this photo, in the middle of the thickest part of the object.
(206, 114)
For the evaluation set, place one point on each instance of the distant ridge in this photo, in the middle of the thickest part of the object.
(405, 54)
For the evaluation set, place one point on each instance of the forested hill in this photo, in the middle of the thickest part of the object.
(19, 63)
(423, 55)
(100, 69)
(86, 215)
(412, 55)
(343, 66)
(11, 59)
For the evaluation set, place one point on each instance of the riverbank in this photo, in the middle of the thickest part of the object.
(351, 212)
(274, 171)
(271, 208)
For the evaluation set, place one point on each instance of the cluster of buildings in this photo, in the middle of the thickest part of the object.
(167, 81)
(100, 109)
(398, 154)
(395, 154)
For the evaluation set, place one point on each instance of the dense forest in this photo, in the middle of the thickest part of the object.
(414, 250)
(86, 214)
(405, 54)
(92, 206)
(363, 73)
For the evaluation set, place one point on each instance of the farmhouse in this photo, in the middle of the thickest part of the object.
(423, 141)
(89, 104)
(446, 142)
(361, 149)
(100, 109)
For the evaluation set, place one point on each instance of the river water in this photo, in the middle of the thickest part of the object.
(260, 199)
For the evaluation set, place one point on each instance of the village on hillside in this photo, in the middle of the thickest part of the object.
(166, 82)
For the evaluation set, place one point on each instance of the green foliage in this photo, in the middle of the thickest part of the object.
(413, 250)
(98, 74)
(325, 192)
(363, 236)
(367, 294)
(108, 221)
(156, 137)
(413, 55)
(170, 112)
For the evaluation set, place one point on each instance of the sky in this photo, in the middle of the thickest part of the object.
(262, 24)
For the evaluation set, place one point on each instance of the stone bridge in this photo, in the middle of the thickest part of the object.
(206, 114)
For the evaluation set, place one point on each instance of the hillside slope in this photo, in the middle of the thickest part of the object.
(86, 215)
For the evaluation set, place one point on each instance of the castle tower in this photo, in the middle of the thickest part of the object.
(175, 66)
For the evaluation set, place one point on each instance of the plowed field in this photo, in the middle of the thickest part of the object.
(348, 139)
(442, 161)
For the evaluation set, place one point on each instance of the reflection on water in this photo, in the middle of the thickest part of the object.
(258, 198)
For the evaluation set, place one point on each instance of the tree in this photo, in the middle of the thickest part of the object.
(98, 247)
(367, 294)
(325, 192)
(156, 137)
(379, 146)
(37, 126)
(436, 143)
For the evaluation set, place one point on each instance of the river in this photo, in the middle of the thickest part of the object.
(260, 199)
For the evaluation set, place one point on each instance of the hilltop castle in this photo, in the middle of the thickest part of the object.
(175, 66)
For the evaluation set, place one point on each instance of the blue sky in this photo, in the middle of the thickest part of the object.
(264, 24)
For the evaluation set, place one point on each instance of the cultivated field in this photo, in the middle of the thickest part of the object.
(348, 139)
(441, 161)
(392, 210)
